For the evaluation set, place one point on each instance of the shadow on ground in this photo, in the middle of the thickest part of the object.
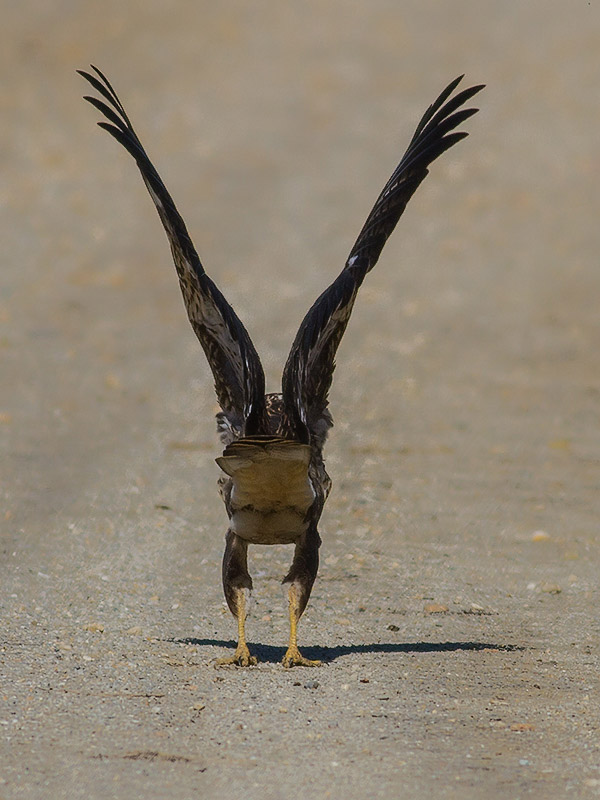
(270, 654)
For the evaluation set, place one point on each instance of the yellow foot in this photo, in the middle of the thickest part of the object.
(293, 658)
(241, 658)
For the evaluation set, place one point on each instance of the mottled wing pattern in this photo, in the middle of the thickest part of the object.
(238, 374)
(309, 369)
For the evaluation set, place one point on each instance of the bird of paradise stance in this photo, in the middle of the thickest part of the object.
(274, 483)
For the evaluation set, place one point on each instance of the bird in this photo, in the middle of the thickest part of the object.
(273, 479)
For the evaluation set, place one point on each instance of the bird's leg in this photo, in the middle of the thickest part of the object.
(237, 584)
(300, 578)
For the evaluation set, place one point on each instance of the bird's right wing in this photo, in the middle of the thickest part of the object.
(309, 369)
(237, 371)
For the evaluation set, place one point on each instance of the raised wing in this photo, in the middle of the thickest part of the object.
(237, 371)
(309, 369)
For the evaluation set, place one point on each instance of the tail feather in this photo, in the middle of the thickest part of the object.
(268, 451)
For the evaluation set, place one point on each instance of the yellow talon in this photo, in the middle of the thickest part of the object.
(294, 658)
(241, 658)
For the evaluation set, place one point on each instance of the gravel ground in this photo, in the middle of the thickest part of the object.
(456, 605)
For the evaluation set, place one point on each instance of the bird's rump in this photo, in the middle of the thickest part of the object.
(270, 491)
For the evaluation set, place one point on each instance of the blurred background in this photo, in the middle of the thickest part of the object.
(468, 383)
(274, 128)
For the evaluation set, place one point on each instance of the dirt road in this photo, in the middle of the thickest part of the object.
(456, 608)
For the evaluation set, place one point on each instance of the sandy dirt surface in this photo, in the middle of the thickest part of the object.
(456, 609)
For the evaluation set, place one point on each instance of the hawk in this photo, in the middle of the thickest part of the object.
(273, 482)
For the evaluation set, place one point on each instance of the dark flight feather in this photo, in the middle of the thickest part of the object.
(308, 373)
(238, 373)
(309, 368)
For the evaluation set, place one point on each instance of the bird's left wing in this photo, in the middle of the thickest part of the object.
(237, 371)
(309, 369)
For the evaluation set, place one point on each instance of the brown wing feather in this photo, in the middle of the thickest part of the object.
(237, 371)
(309, 369)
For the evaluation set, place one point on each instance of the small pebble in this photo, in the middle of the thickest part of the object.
(550, 588)
(560, 444)
(523, 762)
(94, 627)
(112, 381)
(435, 608)
(540, 536)
(393, 628)
(311, 685)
